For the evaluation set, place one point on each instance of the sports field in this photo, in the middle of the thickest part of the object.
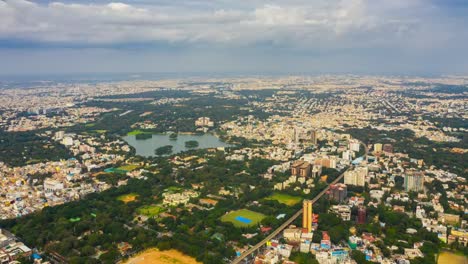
(446, 257)
(128, 167)
(284, 198)
(150, 210)
(126, 198)
(154, 256)
(243, 218)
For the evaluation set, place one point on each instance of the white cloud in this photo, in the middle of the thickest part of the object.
(319, 24)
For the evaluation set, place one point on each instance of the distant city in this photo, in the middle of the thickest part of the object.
(280, 169)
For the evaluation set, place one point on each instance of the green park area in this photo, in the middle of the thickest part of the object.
(284, 198)
(128, 167)
(129, 197)
(137, 132)
(150, 210)
(243, 218)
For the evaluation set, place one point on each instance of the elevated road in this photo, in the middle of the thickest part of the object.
(291, 219)
(284, 225)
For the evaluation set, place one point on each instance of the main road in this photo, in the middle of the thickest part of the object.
(291, 219)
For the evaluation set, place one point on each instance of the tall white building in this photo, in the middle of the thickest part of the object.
(354, 145)
(356, 177)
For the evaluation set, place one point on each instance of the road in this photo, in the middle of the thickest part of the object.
(291, 219)
(283, 226)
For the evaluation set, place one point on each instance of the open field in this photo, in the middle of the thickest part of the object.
(446, 257)
(126, 198)
(284, 198)
(154, 256)
(243, 218)
(128, 167)
(137, 132)
(150, 210)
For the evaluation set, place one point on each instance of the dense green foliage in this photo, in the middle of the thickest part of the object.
(20, 148)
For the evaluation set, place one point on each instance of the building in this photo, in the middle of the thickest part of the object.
(356, 177)
(377, 147)
(59, 135)
(388, 148)
(314, 137)
(337, 192)
(10, 248)
(344, 211)
(307, 216)
(204, 122)
(354, 145)
(361, 217)
(301, 168)
(414, 181)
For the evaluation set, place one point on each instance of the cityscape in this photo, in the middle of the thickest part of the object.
(243, 132)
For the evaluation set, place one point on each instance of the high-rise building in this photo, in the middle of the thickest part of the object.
(388, 148)
(414, 181)
(356, 177)
(314, 137)
(377, 147)
(307, 216)
(337, 192)
(301, 168)
(354, 145)
(361, 217)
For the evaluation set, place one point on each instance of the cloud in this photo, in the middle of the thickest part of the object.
(114, 23)
(314, 34)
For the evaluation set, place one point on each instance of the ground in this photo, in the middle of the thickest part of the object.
(154, 256)
(150, 210)
(284, 198)
(128, 167)
(237, 218)
(126, 198)
(137, 132)
(446, 257)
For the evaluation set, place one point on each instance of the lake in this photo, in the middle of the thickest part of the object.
(146, 147)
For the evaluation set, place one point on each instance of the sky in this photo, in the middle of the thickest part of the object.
(238, 36)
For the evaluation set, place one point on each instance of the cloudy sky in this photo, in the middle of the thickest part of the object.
(251, 36)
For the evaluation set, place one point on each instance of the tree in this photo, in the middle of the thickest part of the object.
(191, 144)
(164, 150)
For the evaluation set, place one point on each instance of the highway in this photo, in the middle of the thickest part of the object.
(290, 220)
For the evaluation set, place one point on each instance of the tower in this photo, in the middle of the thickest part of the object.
(313, 137)
(307, 216)
(361, 219)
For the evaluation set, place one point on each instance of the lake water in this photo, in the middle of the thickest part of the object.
(146, 147)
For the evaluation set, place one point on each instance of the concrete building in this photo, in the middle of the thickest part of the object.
(301, 168)
(337, 192)
(414, 181)
(307, 216)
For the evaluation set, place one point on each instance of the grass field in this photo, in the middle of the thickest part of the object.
(284, 198)
(154, 256)
(128, 167)
(126, 198)
(446, 257)
(150, 210)
(137, 132)
(100, 131)
(253, 216)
